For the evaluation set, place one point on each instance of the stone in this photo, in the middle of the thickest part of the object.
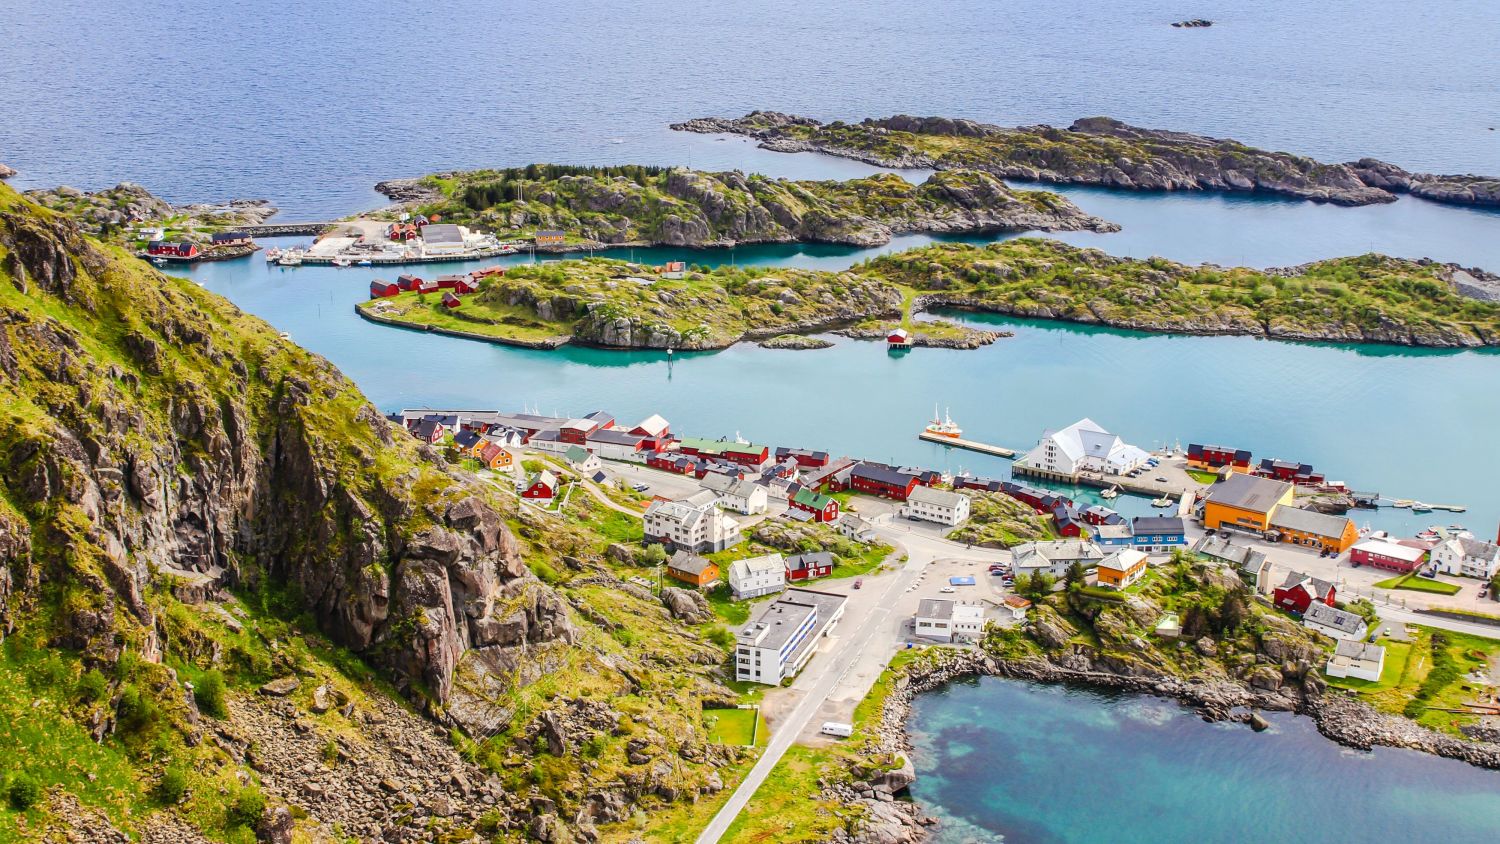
(281, 687)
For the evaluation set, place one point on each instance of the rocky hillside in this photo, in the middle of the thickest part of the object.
(191, 507)
(1099, 151)
(108, 213)
(679, 207)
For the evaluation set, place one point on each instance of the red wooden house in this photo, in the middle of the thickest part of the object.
(429, 431)
(804, 457)
(1298, 591)
(809, 566)
(426, 286)
(876, 479)
(450, 300)
(409, 282)
(1217, 457)
(983, 484)
(485, 272)
(1287, 470)
(464, 287)
(540, 487)
(448, 282)
(171, 249)
(1069, 523)
(898, 339)
(822, 507)
(380, 288)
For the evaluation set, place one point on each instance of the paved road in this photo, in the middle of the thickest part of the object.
(872, 631)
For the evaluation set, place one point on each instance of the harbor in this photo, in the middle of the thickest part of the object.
(377, 243)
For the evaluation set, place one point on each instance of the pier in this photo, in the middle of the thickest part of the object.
(971, 445)
(283, 229)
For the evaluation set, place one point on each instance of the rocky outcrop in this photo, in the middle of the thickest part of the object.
(1100, 151)
(6, 172)
(687, 605)
(107, 211)
(795, 341)
(410, 191)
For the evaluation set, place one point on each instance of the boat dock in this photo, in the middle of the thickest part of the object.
(971, 445)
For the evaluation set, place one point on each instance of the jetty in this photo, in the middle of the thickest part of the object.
(971, 445)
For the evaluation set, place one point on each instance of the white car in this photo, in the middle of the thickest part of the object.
(947, 589)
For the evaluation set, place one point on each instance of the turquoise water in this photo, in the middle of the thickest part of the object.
(1407, 423)
(1006, 760)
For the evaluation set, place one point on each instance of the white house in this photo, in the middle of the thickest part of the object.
(1054, 556)
(948, 621)
(855, 528)
(443, 238)
(936, 505)
(737, 494)
(1084, 446)
(691, 525)
(1017, 606)
(782, 635)
(1466, 557)
(757, 576)
(1334, 622)
(582, 461)
(1353, 658)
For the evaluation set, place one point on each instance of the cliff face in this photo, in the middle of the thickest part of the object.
(149, 427)
(680, 207)
(1099, 151)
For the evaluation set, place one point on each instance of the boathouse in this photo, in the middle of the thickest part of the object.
(550, 237)
(380, 288)
(1214, 457)
(409, 282)
(450, 300)
(898, 339)
(229, 239)
(172, 249)
(804, 457)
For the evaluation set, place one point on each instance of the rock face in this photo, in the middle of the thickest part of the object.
(687, 605)
(6, 172)
(1100, 151)
(199, 442)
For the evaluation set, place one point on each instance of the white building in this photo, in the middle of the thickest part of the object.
(1017, 606)
(783, 635)
(582, 461)
(1334, 622)
(1466, 557)
(737, 494)
(1084, 446)
(1054, 556)
(948, 621)
(691, 525)
(855, 528)
(443, 238)
(757, 576)
(936, 505)
(1353, 658)
(612, 444)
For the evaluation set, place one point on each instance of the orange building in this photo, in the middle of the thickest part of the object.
(696, 571)
(1245, 501)
(1122, 568)
(1313, 529)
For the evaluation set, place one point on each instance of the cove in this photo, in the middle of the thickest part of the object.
(1404, 422)
(1001, 759)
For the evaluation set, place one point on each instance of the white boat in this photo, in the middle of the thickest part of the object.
(1111, 493)
(272, 254)
(342, 262)
(943, 427)
(290, 259)
(1419, 507)
(1164, 501)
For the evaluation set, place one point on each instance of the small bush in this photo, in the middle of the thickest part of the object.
(331, 752)
(137, 710)
(720, 636)
(209, 692)
(92, 686)
(172, 786)
(24, 792)
(247, 807)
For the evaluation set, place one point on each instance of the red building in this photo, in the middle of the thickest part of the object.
(408, 282)
(1217, 456)
(1298, 592)
(898, 339)
(875, 479)
(809, 566)
(169, 249)
(804, 457)
(448, 282)
(1069, 523)
(745, 454)
(464, 287)
(1286, 470)
(426, 286)
(379, 288)
(822, 507)
(541, 486)
(450, 300)
(1391, 556)
(982, 484)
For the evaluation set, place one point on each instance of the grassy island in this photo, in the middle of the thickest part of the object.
(639, 205)
(1367, 298)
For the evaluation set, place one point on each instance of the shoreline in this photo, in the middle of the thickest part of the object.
(1341, 719)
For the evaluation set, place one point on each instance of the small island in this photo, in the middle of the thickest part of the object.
(130, 215)
(1099, 151)
(568, 209)
(618, 304)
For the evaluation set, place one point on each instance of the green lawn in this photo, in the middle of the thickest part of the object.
(1201, 476)
(1409, 667)
(730, 611)
(869, 561)
(1413, 583)
(734, 726)
(616, 526)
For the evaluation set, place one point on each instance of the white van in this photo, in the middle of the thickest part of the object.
(834, 728)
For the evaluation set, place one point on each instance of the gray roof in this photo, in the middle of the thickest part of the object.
(1156, 524)
(1319, 587)
(935, 497)
(1248, 492)
(815, 559)
(1357, 649)
(1341, 620)
(442, 233)
(1309, 521)
(1222, 549)
(783, 617)
(1058, 549)
(615, 437)
(935, 608)
(690, 563)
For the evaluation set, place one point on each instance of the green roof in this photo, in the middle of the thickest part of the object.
(706, 446)
(808, 498)
(576, 454)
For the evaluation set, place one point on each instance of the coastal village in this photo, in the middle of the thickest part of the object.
(712, 505)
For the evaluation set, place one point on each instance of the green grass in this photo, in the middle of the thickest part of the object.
(614, 525)
(734, 726)
(1411, 682)
(731, 612)
(870, 560)
(1415, 583)
(1202, 477)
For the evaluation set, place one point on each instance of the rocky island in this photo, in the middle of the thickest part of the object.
(1099, 151)
(616, 304)
(632, 205)
(110, 213)
(239, 605)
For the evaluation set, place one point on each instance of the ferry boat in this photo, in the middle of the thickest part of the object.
(944, 427)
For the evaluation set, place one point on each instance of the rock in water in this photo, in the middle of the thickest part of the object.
(1258, 722)
(6, 172)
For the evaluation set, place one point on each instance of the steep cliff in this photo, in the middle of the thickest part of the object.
(162, 452)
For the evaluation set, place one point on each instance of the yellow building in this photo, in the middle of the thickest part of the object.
(1323, 531)
(1245, 501)
(1122, 568)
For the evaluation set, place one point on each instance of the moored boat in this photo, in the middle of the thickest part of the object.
(943, 427)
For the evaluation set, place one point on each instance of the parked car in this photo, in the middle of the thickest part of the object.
(639, 487)
(947, 589)
(859, 583)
